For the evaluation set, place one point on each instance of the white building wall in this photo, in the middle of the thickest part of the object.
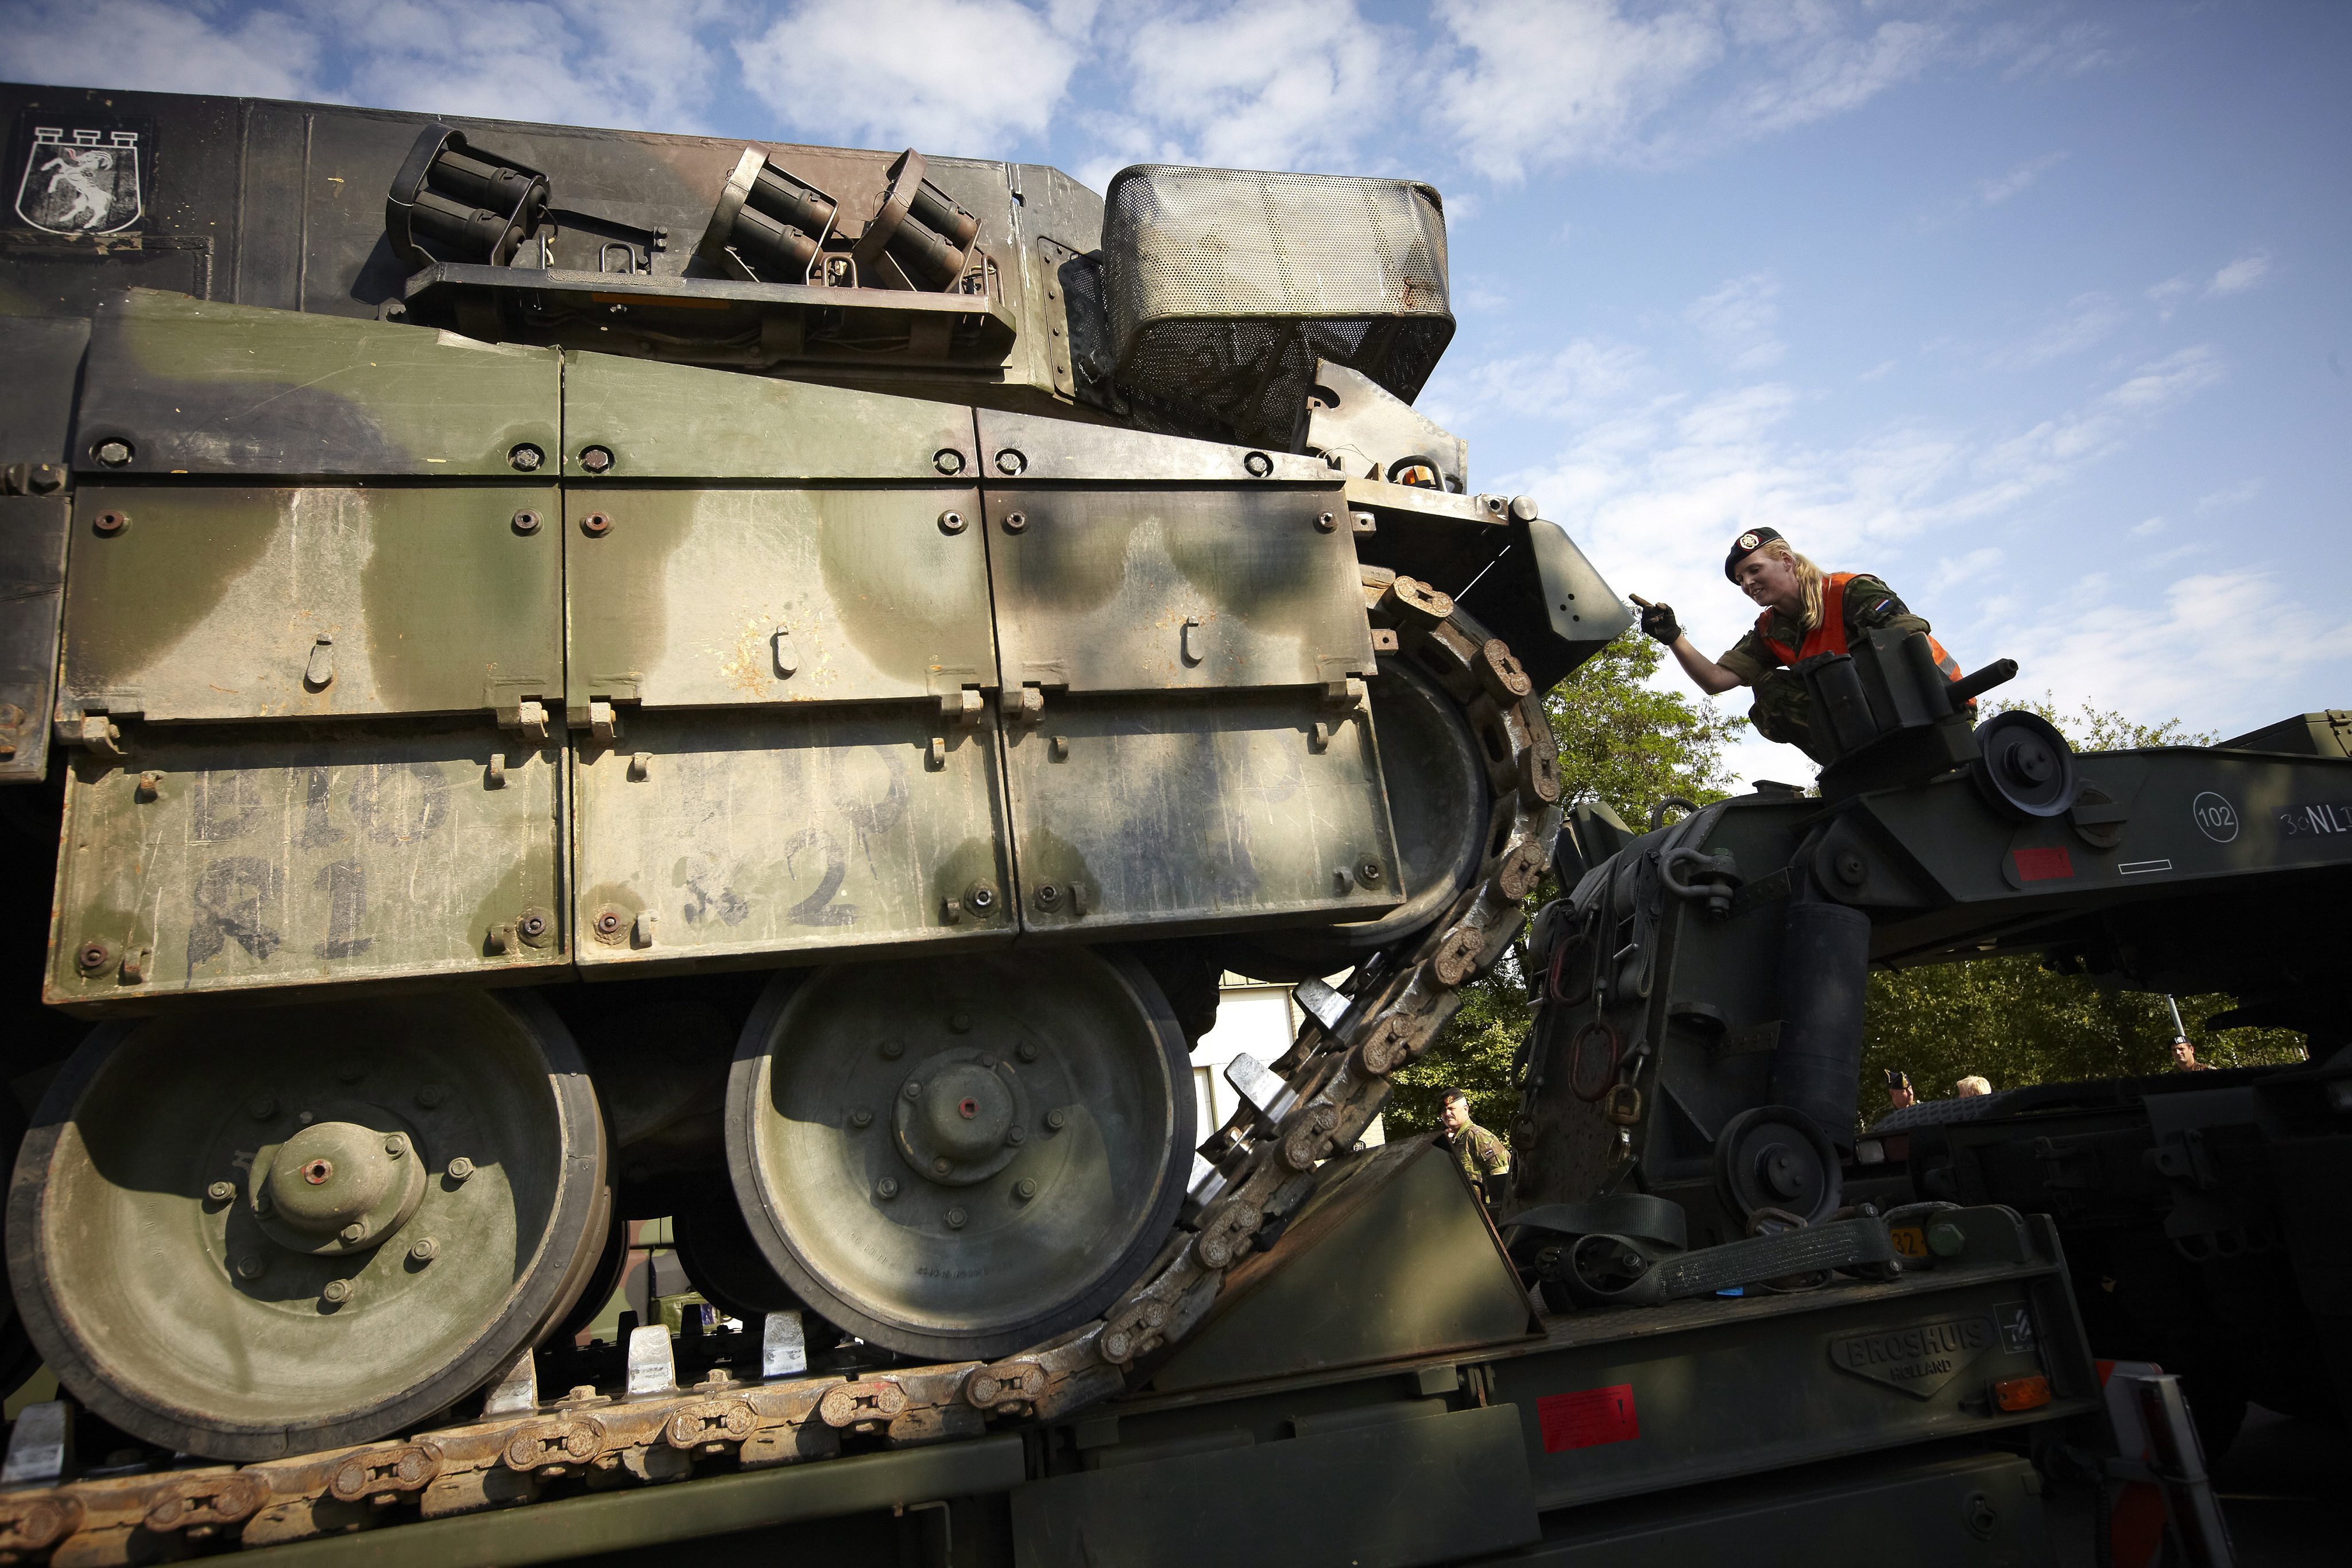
(1254, 1017)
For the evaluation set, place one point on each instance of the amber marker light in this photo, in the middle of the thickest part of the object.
(2015, 1394)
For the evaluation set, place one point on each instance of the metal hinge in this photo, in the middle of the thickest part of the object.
(95, 733)
(1342, 700)
(528, 717)
(962, 708)
(1022, 705)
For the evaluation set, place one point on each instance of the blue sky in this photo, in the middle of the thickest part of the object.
(2039, 311)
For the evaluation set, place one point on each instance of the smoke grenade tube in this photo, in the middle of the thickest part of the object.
(790, 202)
(1824, 966)
(936, 211)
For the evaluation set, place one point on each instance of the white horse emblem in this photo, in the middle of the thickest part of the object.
(82, 185)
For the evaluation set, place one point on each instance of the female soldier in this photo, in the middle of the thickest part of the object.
(1807, 612)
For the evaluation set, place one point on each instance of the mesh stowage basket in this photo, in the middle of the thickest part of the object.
(1224, 286)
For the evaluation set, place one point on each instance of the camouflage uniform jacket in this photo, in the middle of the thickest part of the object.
(1479, 1153)
(1869, 606)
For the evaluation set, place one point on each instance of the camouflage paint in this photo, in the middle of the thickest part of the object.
(284, 855)
(201, 388)
(209, 601)
(755, 836)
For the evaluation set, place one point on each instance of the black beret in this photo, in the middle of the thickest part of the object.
(1745, 545)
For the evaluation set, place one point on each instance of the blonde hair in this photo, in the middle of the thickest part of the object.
(1810, 578)
(1973, 1084)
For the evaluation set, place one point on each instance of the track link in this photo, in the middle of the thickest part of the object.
(1253, 1173)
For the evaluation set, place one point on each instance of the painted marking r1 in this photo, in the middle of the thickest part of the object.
(1588, 1417)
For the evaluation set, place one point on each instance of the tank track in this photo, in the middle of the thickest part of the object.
(1253, 1173)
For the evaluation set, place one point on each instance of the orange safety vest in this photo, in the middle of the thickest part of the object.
(1829, 637)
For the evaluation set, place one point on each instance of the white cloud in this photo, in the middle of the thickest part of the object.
(1878, 372)
(2033, 48)
(2236, 495)
(1563, 84)
(1990, 193)
(2241, 275)
(2033, 460)
(1473, 298)
(2167, 296)
(1283, 85)
(2098, 651)
(1824, 74)
(1311, 84)
(1741, 316)
(2148, 527)
(2235, 277)
(1653, 480)
(1994, 192)
(593, 62)
(2166, 558)
(601, 62)
(1598, 81)
(142, 45)
(2084, 320)
(1576, 383)
(1737, 418)
(960, 77)
(1955, 571)
(2163, 382)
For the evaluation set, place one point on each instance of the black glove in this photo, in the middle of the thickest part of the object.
(1658, 622)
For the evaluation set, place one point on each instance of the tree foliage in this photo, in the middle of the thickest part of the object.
(2090, 728)
(2010, 1020)
(1626, 742)
(1630, 743)
(1476, 1054)
(1623, 742)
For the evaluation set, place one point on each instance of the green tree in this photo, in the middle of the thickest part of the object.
(1475, 1054)
(2090, 728)
(2010, 1020)
(1622, 742)
(1629, 745)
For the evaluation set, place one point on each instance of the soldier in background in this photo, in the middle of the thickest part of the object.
(1484, 1158)
(2184, 1055)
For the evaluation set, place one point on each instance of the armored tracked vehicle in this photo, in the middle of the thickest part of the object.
(607, 675)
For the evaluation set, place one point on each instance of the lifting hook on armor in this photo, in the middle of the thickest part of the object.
(1714, 878)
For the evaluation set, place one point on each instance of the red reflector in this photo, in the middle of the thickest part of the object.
(2042, 865)
(2014, 1394)
(1588, 1417)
